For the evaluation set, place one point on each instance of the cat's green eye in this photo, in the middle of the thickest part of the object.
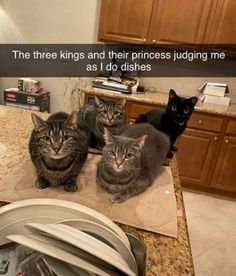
(173, 108)
(129, 156)
(46, 138)
(65, 138)
(104, 111)
(116, 113)
(112, 153)
(186, 111)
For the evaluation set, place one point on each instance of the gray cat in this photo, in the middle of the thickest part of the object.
(97, 114)
(131, 160)
(58, 149)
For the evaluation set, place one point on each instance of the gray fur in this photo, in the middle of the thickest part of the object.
(58, 149)
(131, 160)
(97, 114)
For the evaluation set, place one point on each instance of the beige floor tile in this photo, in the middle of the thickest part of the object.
(200, 270)
(219, 260)
(219, 212)
(203, 235)
(212, 230)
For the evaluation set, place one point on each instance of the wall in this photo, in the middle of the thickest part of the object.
(187, 86)
(49, 21)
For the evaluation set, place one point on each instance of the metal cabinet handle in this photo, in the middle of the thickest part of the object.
(144, 40)
(215, 138)
(226, 141)
(154, 41)
(200, 122)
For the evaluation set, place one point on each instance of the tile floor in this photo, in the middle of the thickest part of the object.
(212, 230)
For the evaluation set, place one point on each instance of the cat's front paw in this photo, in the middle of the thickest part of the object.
(41, 183)
(70, 187)
(118, 198)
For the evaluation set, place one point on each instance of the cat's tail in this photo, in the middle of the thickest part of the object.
(141, 119)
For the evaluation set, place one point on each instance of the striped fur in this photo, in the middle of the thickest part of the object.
(131, 160)
(96, 115)
(58, 149)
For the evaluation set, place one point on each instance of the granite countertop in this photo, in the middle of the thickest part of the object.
(157, 98)
(166, 256)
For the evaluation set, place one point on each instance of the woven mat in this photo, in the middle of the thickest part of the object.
(154, 210)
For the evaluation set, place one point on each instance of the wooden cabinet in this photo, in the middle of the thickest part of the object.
(207, 157)
(134, 109)
(125, 21)
(195, 154)
(225, 171)
(181, 21)
(198, 148)
(223, 30)
(167, 21)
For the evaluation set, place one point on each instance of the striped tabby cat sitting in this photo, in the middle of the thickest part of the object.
(97, 114)
(58, 149)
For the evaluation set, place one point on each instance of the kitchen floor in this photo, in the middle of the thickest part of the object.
(212, 230)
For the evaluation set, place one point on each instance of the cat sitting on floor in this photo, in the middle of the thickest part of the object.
(58, 149)
(97, 114)
(131, 160)
(172, 120)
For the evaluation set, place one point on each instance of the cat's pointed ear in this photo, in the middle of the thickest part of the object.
(98, 101)
(72, 120)
(122, 103)
(109, 139)
(140, 141)
(172, 94)
(194, 100)
(39, 123)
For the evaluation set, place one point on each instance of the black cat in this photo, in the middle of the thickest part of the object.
(172, 120)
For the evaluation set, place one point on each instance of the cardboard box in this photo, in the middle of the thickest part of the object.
(17, 98)
(215, 102)
(214, 89)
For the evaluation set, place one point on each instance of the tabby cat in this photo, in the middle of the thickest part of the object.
(58, 149)
(172, 120)
(131, 160)
(96, 115)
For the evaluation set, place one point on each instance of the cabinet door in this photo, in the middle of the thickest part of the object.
(195, 156)
(182, 21)
(125, 21)
(224, 24)
(225, 171)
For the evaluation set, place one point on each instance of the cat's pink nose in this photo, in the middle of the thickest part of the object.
(118, 164)
(56, 149)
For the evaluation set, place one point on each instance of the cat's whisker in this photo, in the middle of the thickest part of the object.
(58, 146)
(136, 170)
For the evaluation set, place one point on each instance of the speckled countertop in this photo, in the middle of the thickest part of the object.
(160, 99)
(166, 256)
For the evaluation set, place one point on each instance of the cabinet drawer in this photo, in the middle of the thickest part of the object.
(205, 122)
(137, 109)
(231, 128)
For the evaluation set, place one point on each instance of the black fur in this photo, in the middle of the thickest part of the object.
(173, 120)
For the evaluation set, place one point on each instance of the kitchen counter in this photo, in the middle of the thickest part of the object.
(166, 256)
(157, 98)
